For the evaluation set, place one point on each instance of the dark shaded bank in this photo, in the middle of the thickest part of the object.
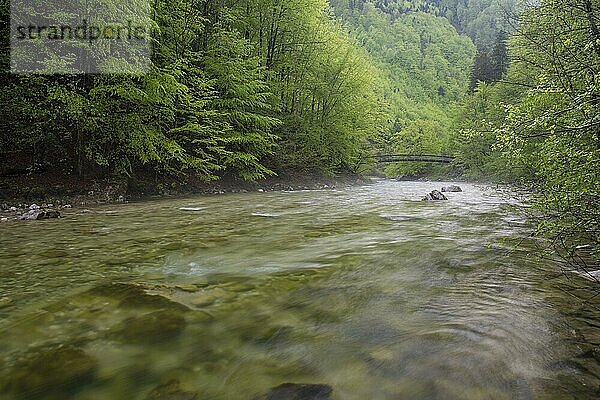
(60, 190)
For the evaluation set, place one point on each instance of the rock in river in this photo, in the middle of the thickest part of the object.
(295, 391)
(150, 328)
(5, 302)
(436, 195)
(135, 296)
(452, 189)
(203, 300)
(44, 373)
(171, 391)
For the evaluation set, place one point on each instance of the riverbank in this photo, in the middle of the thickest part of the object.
(24, 192)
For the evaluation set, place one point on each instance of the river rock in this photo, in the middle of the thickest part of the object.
(295, 391)
(134, 296)
(191, 288)
(452, 189)
(39, 214)
(240, 287)
(44, 373)
(265, 334)
(436, 195)
(5, 302)
(203, 300)
(171, 391)
(593, 353)
(150, 328)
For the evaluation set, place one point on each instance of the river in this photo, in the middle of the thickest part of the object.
(365, 289)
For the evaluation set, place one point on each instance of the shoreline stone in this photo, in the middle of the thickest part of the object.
(38, 214)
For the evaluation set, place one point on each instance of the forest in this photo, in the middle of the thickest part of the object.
(257, 88)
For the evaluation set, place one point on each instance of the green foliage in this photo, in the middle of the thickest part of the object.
(329, 93)
(491, 65)
(236, 89)
(548, 130)
(476, 131)
(244, 101)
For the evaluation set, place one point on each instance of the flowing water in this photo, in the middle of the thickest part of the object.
(365, 289)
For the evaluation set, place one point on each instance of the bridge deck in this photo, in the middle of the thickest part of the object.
(388, 158)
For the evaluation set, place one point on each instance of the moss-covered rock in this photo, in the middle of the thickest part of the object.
(171, 391)
(135, 296)
(50, 373)
(5, 302)
(265, 334)
(203, 300)
(295, 391)
(155, 327)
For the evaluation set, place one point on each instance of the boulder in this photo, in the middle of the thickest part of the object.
(452, 189)
(295, 391)
(39, 214)
(436, 195)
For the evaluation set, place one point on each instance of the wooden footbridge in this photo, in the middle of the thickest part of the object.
(392, 158)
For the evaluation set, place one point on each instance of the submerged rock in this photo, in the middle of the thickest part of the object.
(295, 391)
(134, 296)
(171, 391)
(39, 214)
(203, 300)
(188, 288)
(452, 189)
(436, 195)
(149, 328)
(265, 334)
(51, 371)
(593, 353)
(5, 302)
